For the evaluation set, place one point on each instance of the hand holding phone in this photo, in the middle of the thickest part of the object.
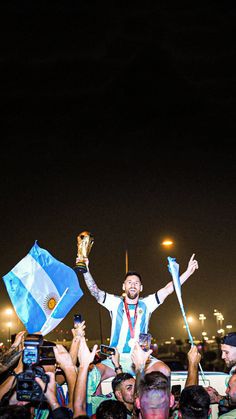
(145, 341)
(77, 320)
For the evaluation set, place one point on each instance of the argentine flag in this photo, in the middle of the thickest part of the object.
(173, 267)
(42, 290)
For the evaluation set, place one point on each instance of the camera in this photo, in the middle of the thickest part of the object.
(27, 389)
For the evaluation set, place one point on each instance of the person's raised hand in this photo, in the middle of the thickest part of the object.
(192, 265)
(79, 330)
(85, 356)
(49, 389)
(194, 357)
(139, 356)
(63, 357)
(19, 340)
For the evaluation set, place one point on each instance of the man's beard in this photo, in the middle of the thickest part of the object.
(133, 295)
(230, 364)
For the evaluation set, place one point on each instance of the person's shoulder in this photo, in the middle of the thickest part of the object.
(148, 297)
(114, 296)
(229, 415)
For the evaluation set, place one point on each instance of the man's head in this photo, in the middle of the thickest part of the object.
(231, 388)
(123, 388)
(111, 409)
(154, 397)
(228, 348)
(194, 402)
(132, 284)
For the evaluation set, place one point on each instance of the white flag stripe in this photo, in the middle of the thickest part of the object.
(50, 325)
(48, 321)
(35, 280)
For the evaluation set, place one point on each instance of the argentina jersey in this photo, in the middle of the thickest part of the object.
(120, 331)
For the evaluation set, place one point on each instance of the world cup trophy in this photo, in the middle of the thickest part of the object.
(84, 244)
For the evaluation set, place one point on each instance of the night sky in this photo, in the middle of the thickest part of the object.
(121, 120)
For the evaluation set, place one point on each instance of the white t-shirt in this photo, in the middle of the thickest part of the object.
(120, 332)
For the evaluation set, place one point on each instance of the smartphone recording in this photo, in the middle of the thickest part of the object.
(107, 350)
(77, 320)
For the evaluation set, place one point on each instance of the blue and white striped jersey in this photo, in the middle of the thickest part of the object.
(120, 333)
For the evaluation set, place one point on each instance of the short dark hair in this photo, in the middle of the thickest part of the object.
(130, 273)
(120, 378)
(154, 393)
(111, 409)
(154, 380)
(194, 402)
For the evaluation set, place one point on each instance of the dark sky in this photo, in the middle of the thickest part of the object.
(121, 120)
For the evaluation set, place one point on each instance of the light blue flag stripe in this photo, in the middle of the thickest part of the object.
(173, 267)
(36, 287)
(174, 271)
(55, 270)
(24, 304)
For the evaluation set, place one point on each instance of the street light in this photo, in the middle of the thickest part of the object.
(221, 331)
(202, 317)
(229, 326)
(219, 318)
(9, 325)
(9, 313)
(190, 319)
(167, 243)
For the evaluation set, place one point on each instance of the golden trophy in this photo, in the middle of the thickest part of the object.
(84, 244)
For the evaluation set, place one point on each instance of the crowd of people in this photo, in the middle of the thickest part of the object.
(70, 385)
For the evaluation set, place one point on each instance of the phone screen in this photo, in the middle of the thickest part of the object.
(77, 320)
(107, 350)
(145, 341)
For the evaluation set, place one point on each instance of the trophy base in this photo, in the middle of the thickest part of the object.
(81, 267)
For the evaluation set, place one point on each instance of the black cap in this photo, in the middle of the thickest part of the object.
(229, 339)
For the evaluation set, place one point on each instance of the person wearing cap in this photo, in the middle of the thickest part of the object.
(228, 348)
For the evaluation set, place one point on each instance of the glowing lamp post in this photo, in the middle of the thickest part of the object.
(202, 318)
(9, 325)
(167, 243)
(9, 313)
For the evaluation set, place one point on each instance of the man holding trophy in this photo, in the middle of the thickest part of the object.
(130, 316)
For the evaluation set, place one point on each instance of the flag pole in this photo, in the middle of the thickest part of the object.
(191, 339)
(174, 271)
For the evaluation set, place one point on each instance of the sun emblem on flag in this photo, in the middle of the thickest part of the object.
(50, 302)
(140, 311)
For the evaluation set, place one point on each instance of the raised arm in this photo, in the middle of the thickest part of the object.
(169, 288)
(9, 358)
(78, 333)
(85, 358)
(65, 362)
(194, 358)
(92, 286)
